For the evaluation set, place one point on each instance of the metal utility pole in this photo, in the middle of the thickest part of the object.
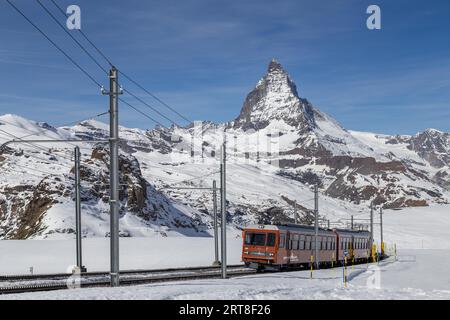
(381, 231)
(371, 226)
(78, 210)
(295, 213)
(223, 202)
(114, 173)
(352, 223)
(216, 227)
(316, 225)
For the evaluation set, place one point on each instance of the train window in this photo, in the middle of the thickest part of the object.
(271, 239)
(289, 242)
(255, 239)
(308, 243)
(295, 242)
(282, 240)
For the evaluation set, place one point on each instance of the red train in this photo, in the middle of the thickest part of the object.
(277, 247)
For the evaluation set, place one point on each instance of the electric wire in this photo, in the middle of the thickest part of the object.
(71, 36)
(54, 44)
(84, 35)
(129, 78)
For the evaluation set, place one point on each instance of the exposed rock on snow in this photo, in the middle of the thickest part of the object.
(278, 147)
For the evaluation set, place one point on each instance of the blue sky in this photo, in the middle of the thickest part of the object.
(203, 57)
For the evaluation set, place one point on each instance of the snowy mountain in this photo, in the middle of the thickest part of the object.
(278, 147)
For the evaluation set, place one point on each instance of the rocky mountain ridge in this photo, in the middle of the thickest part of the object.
(278, 147)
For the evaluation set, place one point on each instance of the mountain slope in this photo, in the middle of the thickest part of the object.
(278, 148)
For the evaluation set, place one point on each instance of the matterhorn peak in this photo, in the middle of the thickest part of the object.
(275, 97)
(274, 65)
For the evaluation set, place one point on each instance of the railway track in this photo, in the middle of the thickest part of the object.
(49, 282)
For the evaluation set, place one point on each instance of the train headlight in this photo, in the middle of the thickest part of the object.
(270, 254)
(245, 252)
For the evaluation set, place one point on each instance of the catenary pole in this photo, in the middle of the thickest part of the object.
(216, 227)
(223, 209)
(296, 213)
(78, 210)
(114, 174)
(316, 225)
(381, 232)
(371, 227)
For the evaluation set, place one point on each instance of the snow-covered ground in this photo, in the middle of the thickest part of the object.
(58, 256)
(420, 272)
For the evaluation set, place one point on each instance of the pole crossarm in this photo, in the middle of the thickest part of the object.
(190, 188)
(14, 141)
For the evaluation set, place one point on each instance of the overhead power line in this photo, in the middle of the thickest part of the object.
(27, 173)
(101, 67)
(150, 107)
(141, 112)
(155, 97)
(71, 36)
(34, 169)
(28, 143)
(45, 161)
(85, 36)
(100, 52)
(198, 177)
(55, 45)
(39, 133)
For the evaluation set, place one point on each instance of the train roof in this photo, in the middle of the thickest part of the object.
(299, 227)
(288, 227)
(352, 232)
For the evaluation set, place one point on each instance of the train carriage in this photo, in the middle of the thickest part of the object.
(355, 243)
(281, 246)
(276, 247)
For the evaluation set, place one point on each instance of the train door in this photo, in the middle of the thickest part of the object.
(338, 247)
(287, 257)
(352, 247)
